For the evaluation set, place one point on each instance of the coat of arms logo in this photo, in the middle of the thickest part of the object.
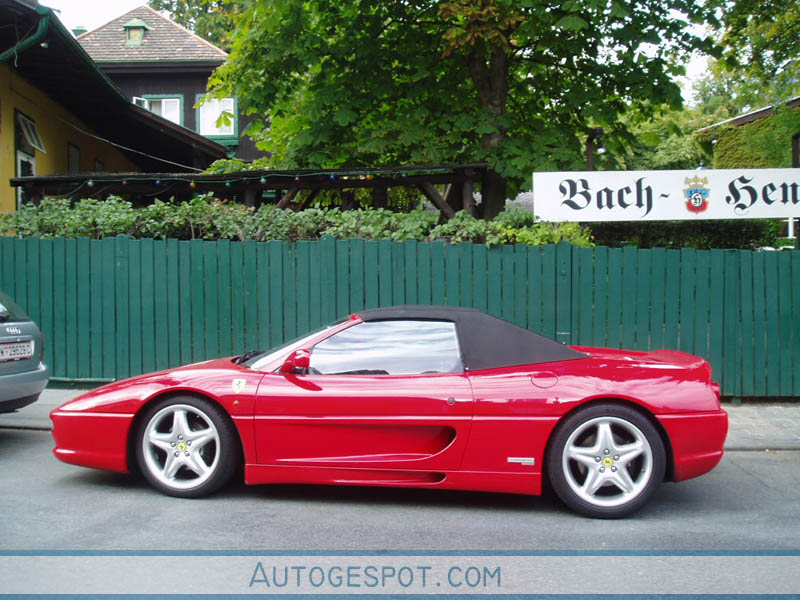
(696, 193)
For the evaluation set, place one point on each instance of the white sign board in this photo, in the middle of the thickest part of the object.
(667, 195)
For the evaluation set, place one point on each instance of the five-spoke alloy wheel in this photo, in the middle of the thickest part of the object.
(606, 460)
(187, 446)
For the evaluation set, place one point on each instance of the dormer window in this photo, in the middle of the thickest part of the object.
(134, 32)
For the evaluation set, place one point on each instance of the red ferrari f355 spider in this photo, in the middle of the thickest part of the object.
(415, 396)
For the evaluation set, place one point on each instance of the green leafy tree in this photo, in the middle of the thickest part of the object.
(764, 37)
(213, 20)
(517, 84)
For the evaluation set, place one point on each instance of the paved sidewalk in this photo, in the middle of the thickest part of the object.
(752, 426)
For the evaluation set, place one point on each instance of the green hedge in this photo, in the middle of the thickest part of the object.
(206, 218)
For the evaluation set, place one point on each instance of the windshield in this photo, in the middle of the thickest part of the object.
(263, 359)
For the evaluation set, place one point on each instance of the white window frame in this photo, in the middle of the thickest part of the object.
(217, 106)
(30, 132)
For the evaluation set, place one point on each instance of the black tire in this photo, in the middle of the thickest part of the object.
(606, 461)
(187, 446)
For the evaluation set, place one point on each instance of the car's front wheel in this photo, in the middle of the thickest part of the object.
(606, 461)
(187, 446)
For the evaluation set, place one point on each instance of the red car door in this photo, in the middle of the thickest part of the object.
(388, 395)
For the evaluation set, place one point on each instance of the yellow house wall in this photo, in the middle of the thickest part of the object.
(55, 125)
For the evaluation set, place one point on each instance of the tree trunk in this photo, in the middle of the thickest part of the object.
(493, 194)
(491, 80)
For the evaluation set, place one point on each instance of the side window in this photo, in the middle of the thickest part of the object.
(389, 348)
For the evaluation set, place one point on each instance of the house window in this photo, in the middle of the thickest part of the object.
(208, 118)
(28, 138)
(168, 106)
(26, 167)
(73, 158)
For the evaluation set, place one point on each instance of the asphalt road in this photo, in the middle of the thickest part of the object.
(749, 502)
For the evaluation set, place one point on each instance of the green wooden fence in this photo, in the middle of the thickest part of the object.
(117, 307)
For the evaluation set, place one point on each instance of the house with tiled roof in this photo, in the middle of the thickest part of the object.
(61, 115)
(164, 68)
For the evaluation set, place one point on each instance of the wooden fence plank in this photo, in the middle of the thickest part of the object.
(715, 331)
(732, 341)
(135, 306)
(535, 282)
(549, 278)
(644, 294)
(759, 325)
(615, 296)
(658, 298)
(211, 300)
(71, 300)
(372, 279)
(161, 304)
(262, 311)
(701, 303)
(224, 293)
(83, 281)
(480, 278)
(172, 289)
(494, 281)
(147, 304)
(773, 324)
(59, 340)
(276, 292)
(466, 283)
(109, 259)
(385, 273)
(746, 302)
(564, 293)
(423, 273)
(521, 285)
(251, 297)
(600, 292)
(122, 294)
(96, 311)
(356, 278)
(186, 304)
(303, 286)
(237, 279)
(795, 327)
(688, 258)
(289, 292)
(583, 296)
(672, 299)
(507, 272)
(33, 275)
(785, 323)
(438, 294)
(197, 302)
(630, 294)
(410, 270)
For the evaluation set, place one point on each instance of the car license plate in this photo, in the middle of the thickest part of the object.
(16, 351)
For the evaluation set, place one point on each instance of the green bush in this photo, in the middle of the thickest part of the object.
(206, 218)
(702, 235)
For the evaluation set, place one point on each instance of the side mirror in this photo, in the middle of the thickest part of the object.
(297, 362)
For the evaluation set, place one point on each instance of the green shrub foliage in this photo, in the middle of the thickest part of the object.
(206, 218)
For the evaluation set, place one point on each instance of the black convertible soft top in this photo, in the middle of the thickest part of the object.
(487, 342)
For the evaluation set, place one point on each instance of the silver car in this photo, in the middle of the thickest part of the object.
(23, 375)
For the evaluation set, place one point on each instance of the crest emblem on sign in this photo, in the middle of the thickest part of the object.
(696, 193)
(238, 385)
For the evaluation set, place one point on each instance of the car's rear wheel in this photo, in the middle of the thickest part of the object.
(187, 447)
(606, 461)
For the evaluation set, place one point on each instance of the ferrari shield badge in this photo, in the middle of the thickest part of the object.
(238, 385)
(696, 193)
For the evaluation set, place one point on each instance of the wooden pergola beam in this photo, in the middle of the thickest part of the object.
(432, 194)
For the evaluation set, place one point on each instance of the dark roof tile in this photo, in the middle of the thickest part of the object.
(166, 41)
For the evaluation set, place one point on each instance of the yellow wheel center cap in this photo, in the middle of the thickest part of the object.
(182, 446)
(608, 461)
